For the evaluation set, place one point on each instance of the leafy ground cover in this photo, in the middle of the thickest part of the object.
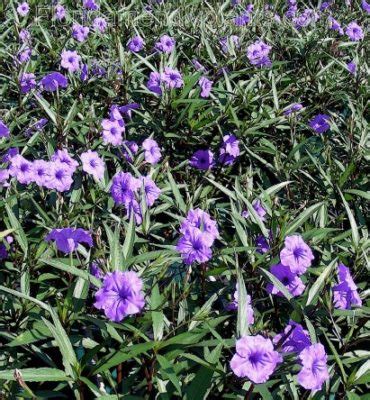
(184, 200)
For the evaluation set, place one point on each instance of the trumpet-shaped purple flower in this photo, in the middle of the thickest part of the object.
(24, 55)
(68, 239)
(202, 159)
(21, 169)
(194, 246)
(23, 9)
(70, 60)
(262, 245)
(126, 110)
(293, 339)
(129, 149)
(152, 152)
(293, 108)
(27, 82)
(112, 132)
(345, 293)
(90, 5)
(258, 208)
(154, 83)
(205, 86)
(258, 54)
(172, 78)
(93, 164)
(166, 44)
(123, 189)
(4, 130)
(354, 31)
(121, 295)
(296, 254)
(136, 44)
(306, 18)
(290, 280)
(60, 176)
(41, 172)
(80, 32)
(255, 358)
(365, 6)
(151, 190)
(100, 24)
(64, 157)
(314, 370)
(53, 81)
(60, 12)
(352, 67)
(335, 25)
(320, 123)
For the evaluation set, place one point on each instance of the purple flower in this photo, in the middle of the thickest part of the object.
(296, 254)
(354, 31)
(12, 151)
(335, 25)
(154, 83)
(229, 150)
(365, 6)
(64, 157)
(202, 159)
(70, 60)
(290, 280)
(121, 295)
(352, 67)
(293, 339)
(127, 109)
(258, 54)
(21, 169)
(112, 132)
(206, 86)
(325, 5)
(293, 108)
(93, 164)
(197, 65)
(60, 12)
(24, 55)
(130, 148)
(123, 189)
(345, 293)
(96, 271)
(262, 245)
(320, 123)
(4, 176)
(27, 82)
(100, 24)
(3, 252)
(255, 358)
(225, 43)
(53, 81)
(4, 130)
(234, 306)
(136, 44)
(90, 5)
(41, 172)
(152, 152)
(60, 177)
(242, 19)
(306, 18)
(151, 190)
(172, 78)
(23, 9)
(25, 36)
(314, 370)
(134, 208)
(166, 44)
(80, 32)
(194, 246)
(84, 76)
(258, 208)
(68, 239)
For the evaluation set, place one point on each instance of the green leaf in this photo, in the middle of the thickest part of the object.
(36, 375)
(303, 217)
(242, 320)
(352, 221)
(319, 283)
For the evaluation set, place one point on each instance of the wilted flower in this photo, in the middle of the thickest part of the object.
(335, 25)
(23, 9)
(255, 358)
(258, 54)
(306, 18)
(262, 245)
(296, 254)
(258, 208)
(24, 55)
(93, 164)
(166, 44)
(120, 296)
(229, 150)
(293, 339)
(24, 36)
(365, 6)
(100, 24)
(352, 67)
(354, 31)
(129, 149)
(202, 159)
(293, 108)
(152, 152)
(172, 78)
(314, 370)
(53, 81)
(242, 19)
(320, 123)
(154, 83)
(4, 130)
(80, 32)
(4, 176)
(27, 82)
(206, 86)
(135, 44)
(68, 239)
(290, 280)
(345, 293)
(70, 60)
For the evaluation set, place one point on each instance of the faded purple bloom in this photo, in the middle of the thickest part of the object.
(262, 245)
(255, 358)
(123, 189)
(306, 18)
(172, 78)
(345, 293)
(64, 157)
(335, 25)
(12, 151)
(352, 67)
(258, 208)
(121, 295)
(202, 159)
(70, 60)
(112, 132)
(152, 152)
(325, 5)
(60, 176)
(354, 31)
(68, 239)
(134, 208)
(25, 36)
(290, 280)
(320, 123)
(93, 164)
(292, 9)
(3, 252)
(258, 54)
(154, 83)
(365, 6)
(127, 109)
(4, 130)
(314, 370)
(24, 55)
(294, 338)
(130, 148)
(80, 32)
(166, 44)
(136, 44)
(194, 246)
(27, 82)
(229, 150)
(296, 254)
(293, 108)
(84, 76)
(23, 9)
(242, 19)
(234, 306)
(90, 5)
(96, 271)
(100, 24)
(41, 172)
(151, 190)
(53, 81)
(226, 42)
(21, 169)
(197, 65)
(60, 12)
(206, 86)
(4, 176)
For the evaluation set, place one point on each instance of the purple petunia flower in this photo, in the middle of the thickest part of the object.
(194, 246)
(80, 32)
(123, 188)
(290, 280)
(229, 150)
(121, 295)
(23, 9)
(21, 169)
(262, 245)
(258, 54)
(70, 60)
(152, 152)
(126, 110)
(154, 83)
(255, 358)
(345, 293)
(296, 254)
(24, 55)
(60, 177)
(112, 132)
(27, 82)
(60, 12)
(25, 36)
(41, 172)
(335, 25)
(4, 130)
(93, 164)
(172, 78)
(53, 81)
(68, 239)
(202, 159)
(258, 208)
(314, 370)
(205, 86)
(135, 44)
(352, 67)
(129, 149)
(151, 190)
(100, 24)
(294, 338)
(64, 157)
(234, 306)
(306, 18)
(11, 152)
(166, 44)
(320, 123)
(293, 108)
(365, 6)
(354, 31)
(226, 42)
(90, 5)
(96, 271)
(242, 19)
